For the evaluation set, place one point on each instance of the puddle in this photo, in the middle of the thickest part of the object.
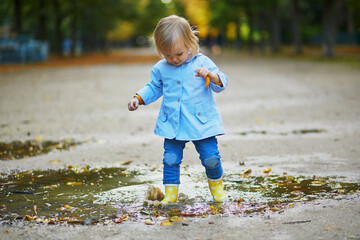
(30, 148)
(294, 132)
(114, 195)
(60, 195)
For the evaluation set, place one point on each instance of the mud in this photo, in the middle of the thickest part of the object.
(271, 110)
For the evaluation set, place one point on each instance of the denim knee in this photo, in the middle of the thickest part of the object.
(213, 168)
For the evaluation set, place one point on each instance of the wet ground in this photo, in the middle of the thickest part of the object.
(75, 162)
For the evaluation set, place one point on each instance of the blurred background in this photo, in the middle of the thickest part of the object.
(34, 30)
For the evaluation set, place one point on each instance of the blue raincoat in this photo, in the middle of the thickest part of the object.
(188, 111)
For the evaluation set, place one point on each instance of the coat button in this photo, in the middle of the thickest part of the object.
(199, 114)
(178, 82)
(178, 100)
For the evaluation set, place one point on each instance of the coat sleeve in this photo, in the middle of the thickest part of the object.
(224, 80)
(153, 90)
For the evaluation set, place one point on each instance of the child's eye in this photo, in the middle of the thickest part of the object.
(179, 54)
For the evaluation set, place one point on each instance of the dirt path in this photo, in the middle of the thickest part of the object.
(298, 117)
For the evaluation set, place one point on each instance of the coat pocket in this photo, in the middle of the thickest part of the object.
(200, 113)
(163, 115)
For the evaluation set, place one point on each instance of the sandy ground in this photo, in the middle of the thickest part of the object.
(267, 103)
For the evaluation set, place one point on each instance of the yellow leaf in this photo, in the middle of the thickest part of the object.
(29, 218)
(290, 178)
(127, 163)
(39, 139)
(54, 161)
(74, 183)
(178, 219)
(247, 172)
(149, 223)
(65, 207)
(166, 223)
(50, 186)
(274, 209)
(266, 170)
(327, 228)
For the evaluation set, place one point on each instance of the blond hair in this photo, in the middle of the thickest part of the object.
(171, 29)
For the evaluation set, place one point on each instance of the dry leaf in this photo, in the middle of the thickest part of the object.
(166, 223)
(30, 218)
(54, 161)
(39, 139)
(34, 210)
(50, 186)
(119, 220)
(154, 193)
(266, 170)
(74, 183)
(127, 163)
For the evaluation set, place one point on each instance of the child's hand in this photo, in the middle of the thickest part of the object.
(133, 104)
(203, 72)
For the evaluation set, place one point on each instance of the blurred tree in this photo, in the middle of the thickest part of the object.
(18, 16)
(275, 26)
(329, 27)
(295, 23)
(58, 14)
(225, 12)
(42, 29)
(150, 12)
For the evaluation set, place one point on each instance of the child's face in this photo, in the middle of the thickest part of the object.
(178, 54)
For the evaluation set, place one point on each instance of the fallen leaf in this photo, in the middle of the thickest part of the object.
(154, 193)
(149, 223)
(65, 207)
(54, 161)
(30, 218)
(50, 186)
(327, 228)
(166, 223)
(266, 170)
(119, 220)
(127, 163)
(74, 183)
(34, 210)
(39, 139)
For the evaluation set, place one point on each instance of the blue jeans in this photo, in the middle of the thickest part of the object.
(209, 156)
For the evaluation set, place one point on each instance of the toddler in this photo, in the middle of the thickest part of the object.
(188, 111)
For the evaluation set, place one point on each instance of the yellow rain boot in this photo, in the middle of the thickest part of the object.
(171, 194)
(217, 190)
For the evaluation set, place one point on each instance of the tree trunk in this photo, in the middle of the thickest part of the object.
(238, 37)
(262, 29)
(329, 27)
(58, 32)
(74, 27)
(42, 31)
(296, 26)
(250, 15)
(18, 16)
(275, 43)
